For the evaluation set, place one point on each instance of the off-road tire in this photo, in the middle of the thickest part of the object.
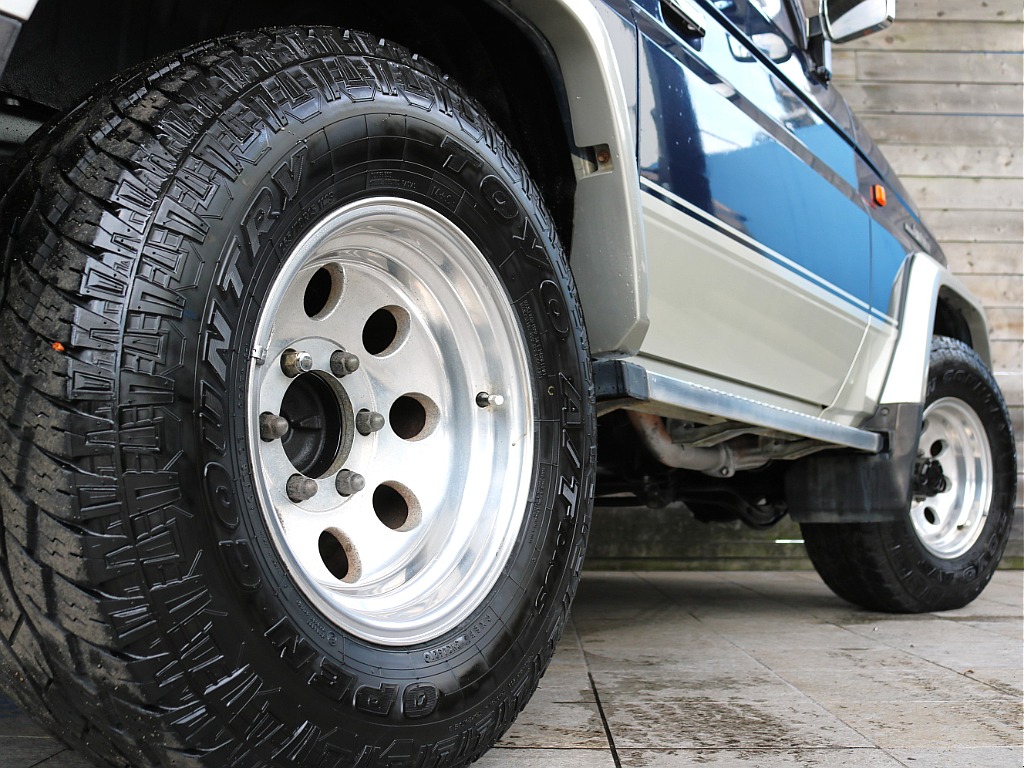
(148, 614)
(894, 567)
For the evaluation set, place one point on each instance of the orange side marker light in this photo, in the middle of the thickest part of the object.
(878, 195)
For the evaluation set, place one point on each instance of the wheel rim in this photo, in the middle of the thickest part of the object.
(389, 348)
(949, 523)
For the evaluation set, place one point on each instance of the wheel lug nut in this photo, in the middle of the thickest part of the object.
(272, 427)
(301, 488)
(349, 483)
(343, 363)
(486, 400)
(368, 422)
(293, 363)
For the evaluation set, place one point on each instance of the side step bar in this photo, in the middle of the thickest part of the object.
(620, 383)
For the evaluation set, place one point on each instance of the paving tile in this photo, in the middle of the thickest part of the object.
(18, 752)
(1005, 680)
(558, 718)
(757, 758)
(913, 681)
(961, 757)
(915, 724)
(759, 718)
(546, 758)
(761, 663)
(15, 722)
(65, 759)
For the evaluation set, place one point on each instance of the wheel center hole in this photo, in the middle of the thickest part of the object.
(316, 425)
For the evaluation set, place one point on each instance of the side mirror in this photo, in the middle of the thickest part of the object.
(844, 20)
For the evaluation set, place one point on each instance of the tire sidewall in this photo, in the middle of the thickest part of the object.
(469, 683)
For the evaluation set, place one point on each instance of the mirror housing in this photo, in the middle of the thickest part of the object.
(820, 49)
(845, 20)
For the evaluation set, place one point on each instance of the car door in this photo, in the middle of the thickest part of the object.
(759, 240)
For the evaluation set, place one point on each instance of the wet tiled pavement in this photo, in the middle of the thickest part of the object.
(746, 669)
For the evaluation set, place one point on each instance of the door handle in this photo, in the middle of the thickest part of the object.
(686, 14)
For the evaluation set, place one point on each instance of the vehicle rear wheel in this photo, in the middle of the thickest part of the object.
(297, 415)
(943, 553)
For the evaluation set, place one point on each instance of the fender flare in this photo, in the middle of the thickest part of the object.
(928, 283)
(608, 257)
(19, 9)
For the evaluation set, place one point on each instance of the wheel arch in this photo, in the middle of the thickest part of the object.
(958, 317)
(551, 74)
(936, 303)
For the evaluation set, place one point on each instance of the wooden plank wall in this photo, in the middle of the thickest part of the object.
(942, 92)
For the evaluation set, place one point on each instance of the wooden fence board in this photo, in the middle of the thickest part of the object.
(944, 36)
(1012, 385)
(965, 193)
(985, 258)
(948, 10)
(976, 226)
(946, 130)
(921, 67)
(1007, 322)
(844, 66)
(925, 160)
(996, 290)
(1006, 356)
(931, 98)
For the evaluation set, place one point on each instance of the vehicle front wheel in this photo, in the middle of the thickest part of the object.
(944, 551)
(298, 424)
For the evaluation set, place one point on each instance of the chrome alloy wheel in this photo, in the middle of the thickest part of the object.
(949, 523)
(391, 421)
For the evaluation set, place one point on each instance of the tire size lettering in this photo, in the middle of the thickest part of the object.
(446, 650)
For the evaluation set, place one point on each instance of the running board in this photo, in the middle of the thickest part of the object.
(619, 383)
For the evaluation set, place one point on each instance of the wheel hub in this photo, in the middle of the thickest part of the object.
(953, 479)
(320, 424)
(391, 428)
(929, 479)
